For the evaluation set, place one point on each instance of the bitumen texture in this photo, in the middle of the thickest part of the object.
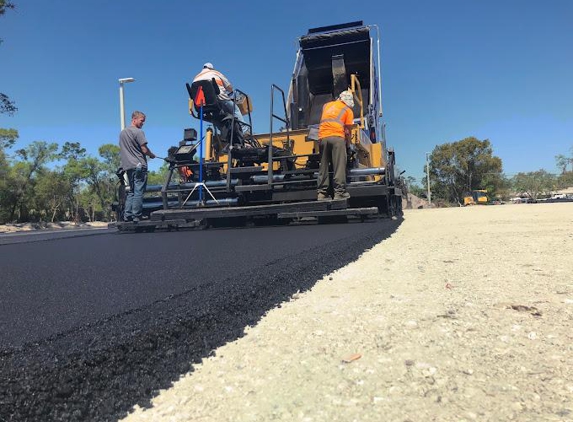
(92, 325)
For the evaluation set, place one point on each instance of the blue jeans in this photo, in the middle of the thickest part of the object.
(134, 201)
(228, 107)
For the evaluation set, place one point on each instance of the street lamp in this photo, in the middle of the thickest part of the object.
(428, 178)
(121, 107)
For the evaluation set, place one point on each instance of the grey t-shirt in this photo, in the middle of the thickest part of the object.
(131, 139)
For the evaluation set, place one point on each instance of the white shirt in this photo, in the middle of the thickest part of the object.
(225, 87)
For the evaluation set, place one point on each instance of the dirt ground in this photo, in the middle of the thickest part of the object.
(62, 225)
(414, 202)
(463, 314)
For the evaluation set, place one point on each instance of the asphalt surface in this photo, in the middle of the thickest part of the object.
(91, 325)
(41, 235)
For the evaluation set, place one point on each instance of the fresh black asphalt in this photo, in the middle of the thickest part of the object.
(92, 325)
(39, 235)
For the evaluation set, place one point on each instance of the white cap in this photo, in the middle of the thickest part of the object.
(208, 65)
(347, 98)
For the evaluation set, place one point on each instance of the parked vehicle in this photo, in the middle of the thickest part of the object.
(476, 197)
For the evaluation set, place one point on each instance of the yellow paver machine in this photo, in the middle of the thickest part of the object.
(236, 175)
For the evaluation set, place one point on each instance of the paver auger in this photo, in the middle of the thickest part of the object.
(272, 177)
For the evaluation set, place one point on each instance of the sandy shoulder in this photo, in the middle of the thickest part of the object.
(62, 225)
(463, 314)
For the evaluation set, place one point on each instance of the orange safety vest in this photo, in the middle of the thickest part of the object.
(335, 115)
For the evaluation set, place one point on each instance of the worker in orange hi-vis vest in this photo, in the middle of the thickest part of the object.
(333, 134)
(225, 89)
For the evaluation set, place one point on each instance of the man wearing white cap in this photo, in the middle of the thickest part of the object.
(225, 89)
(333, 134)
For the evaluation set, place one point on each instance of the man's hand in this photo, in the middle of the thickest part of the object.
(347, 135)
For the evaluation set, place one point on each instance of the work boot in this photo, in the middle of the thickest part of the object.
(323, 197)
(341, 195)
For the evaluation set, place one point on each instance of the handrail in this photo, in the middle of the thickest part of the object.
(285, 121)
(250, 126)
(381, 113)
(353, 82)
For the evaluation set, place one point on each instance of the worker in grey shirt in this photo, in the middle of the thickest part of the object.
(133, 152)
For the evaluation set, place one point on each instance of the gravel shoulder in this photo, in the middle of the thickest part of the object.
(463, 314)
(61, 225)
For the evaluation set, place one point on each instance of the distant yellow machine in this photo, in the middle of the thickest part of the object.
(476, 197)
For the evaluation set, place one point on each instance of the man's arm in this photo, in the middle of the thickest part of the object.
(227, 84)
(349, 122)
(147, 151)
(142, 140)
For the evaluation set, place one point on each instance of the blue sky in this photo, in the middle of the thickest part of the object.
(501, 70)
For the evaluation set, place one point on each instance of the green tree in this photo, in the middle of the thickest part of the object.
(100, 186)
(534, 183)
(414, 188)
(51, 194)
(22, 178)
(562, 162)
(565, 180)
(75, 173)
(158, 177)
(6, 105)
(5, 5)
(72, 151)
(463, 166)
(110, 155)
(500, 188)
(29, 190)
(7, 139)
(93, 181)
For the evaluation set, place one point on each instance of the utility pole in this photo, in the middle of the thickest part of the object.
(123, 81)
(428, 178)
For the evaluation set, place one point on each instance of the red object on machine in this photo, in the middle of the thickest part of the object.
(199, 99)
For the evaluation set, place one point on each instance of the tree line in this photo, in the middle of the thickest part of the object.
(48, 182)
(460, 167)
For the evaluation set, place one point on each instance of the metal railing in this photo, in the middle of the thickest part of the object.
(285, 120)
(249, 125)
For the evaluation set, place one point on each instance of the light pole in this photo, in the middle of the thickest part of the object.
(121, 107)
(428, 178)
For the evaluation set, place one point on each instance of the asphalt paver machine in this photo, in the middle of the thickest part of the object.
(240, 176)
